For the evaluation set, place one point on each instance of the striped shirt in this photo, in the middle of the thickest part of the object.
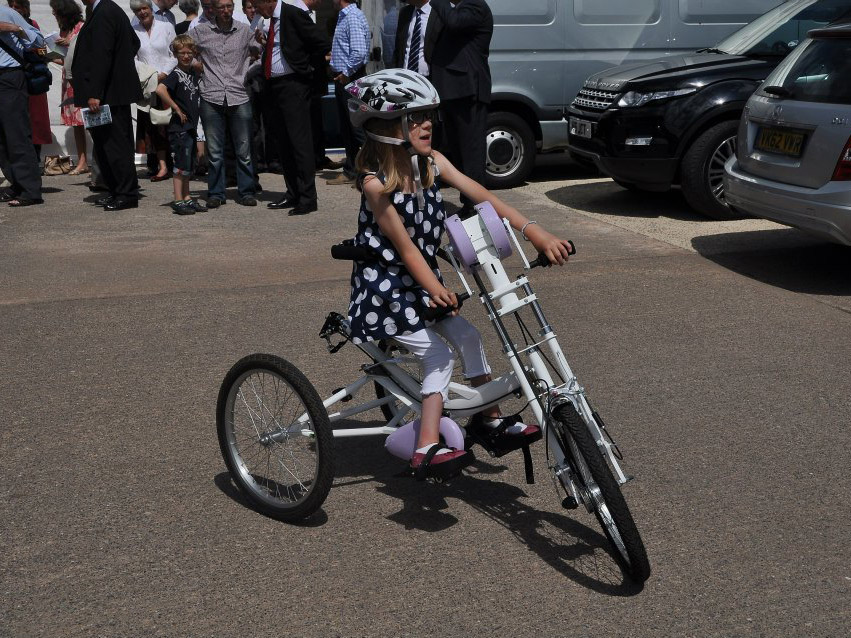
(225, 55)
(350, 47)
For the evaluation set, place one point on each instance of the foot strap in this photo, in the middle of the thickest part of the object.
(527, 459)
(422, 470)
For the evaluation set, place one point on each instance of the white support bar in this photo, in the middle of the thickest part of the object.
(508, 308)
(352, 432)
(504, 290)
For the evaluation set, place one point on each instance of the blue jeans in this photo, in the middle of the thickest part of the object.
(238, 120)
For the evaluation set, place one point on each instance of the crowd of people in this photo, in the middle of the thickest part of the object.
(230, 90)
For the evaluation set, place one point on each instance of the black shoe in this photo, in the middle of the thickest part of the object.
(246, 201)
(284, 202)
(97, 188)
(103, 201)
(197, 206)
(303, 209)
(215, 202)
(121, 204)
(327, 164)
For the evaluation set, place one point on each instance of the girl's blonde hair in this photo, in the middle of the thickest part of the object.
(377, 157)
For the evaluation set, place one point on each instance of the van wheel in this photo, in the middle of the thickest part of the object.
(702, 171)
(510, 150)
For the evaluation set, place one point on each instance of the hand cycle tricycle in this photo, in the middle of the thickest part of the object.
(275, 431)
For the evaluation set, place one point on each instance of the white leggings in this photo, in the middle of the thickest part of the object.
(437, 359)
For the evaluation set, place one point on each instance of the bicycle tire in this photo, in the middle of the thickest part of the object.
(609, 505)
(256, 430)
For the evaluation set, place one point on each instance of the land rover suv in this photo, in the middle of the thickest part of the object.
(674, 120)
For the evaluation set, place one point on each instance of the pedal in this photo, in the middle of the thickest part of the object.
(569, 503)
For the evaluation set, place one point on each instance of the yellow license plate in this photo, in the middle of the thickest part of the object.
(774, 140)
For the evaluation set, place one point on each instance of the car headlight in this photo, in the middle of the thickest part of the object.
(634, 98)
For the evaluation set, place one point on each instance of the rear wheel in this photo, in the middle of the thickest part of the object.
(600, 492)
(510, 155)
(702, 171)
(275, 437)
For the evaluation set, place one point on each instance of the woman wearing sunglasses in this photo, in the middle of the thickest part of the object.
(402, 219)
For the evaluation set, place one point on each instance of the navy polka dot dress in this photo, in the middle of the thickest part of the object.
(385, 300)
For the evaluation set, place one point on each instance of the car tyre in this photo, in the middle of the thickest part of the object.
(510, 155)
(702, 170)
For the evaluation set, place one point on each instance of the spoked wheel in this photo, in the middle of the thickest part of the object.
(600, 493)
(275, 437)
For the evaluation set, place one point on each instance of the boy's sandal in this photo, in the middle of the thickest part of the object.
(22, 201)
(7, 195)
(496, 440)
(78, 171)
(440, 466)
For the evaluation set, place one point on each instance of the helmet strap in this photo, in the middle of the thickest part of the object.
(406, 144)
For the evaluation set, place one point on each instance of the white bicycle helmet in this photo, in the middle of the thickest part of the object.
(388, 95)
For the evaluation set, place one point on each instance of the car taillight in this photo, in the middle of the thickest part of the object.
(842, 173)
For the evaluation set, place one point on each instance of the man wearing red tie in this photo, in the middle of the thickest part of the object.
(292, 43)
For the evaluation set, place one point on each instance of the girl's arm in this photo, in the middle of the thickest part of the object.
(391, 225)
(554, 248)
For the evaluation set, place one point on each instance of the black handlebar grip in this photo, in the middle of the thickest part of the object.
(544, 261)
(433, 314)
(350, 252)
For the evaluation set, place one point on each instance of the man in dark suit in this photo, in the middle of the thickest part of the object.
(461, 75)
(104, 73)
(291, 48)
(417, 58)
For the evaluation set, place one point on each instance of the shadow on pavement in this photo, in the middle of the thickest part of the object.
(607, 198)
(568, 546)
(224, 482)
(785, 258)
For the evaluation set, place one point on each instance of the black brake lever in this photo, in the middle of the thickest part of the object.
(439, 312)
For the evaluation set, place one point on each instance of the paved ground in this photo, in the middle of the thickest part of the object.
(718, 353)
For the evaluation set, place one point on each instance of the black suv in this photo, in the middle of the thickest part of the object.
(674, 120)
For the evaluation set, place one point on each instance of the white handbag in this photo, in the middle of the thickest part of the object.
(160, 117)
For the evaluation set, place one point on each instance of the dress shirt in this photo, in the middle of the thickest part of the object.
(155, 49)
(350, 47)
(225, 56)
(238, 16)
(300, 4)
(425, 10)
(31, 34)
(279, 63)
(164, 15)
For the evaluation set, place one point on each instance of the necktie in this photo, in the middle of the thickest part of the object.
(416, 45)
(270, 46)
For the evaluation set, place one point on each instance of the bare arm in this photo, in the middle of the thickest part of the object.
(391, 225)
(554, 248)
(165, 96)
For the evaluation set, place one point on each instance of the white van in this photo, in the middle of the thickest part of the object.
(543, 50)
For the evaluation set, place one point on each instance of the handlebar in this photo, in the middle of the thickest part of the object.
(439, 312)
(544, 261)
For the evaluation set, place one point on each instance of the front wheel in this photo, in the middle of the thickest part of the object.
(600, 492)
(275, 437)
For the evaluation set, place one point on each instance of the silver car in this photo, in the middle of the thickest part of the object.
(793, 162)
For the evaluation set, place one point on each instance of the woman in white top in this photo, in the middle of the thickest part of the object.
(155, 37)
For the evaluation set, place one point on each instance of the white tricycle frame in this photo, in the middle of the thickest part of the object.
(582, 458)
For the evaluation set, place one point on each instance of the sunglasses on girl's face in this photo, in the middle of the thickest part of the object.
(418, 117)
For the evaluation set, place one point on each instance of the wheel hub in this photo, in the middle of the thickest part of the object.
(715, 169)
(504, 152)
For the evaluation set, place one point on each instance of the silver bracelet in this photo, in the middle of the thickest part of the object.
(523, 229)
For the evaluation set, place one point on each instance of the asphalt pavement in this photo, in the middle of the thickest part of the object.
(717, 352)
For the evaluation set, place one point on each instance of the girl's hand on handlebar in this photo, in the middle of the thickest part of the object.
(444, 298)
(557, 250)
